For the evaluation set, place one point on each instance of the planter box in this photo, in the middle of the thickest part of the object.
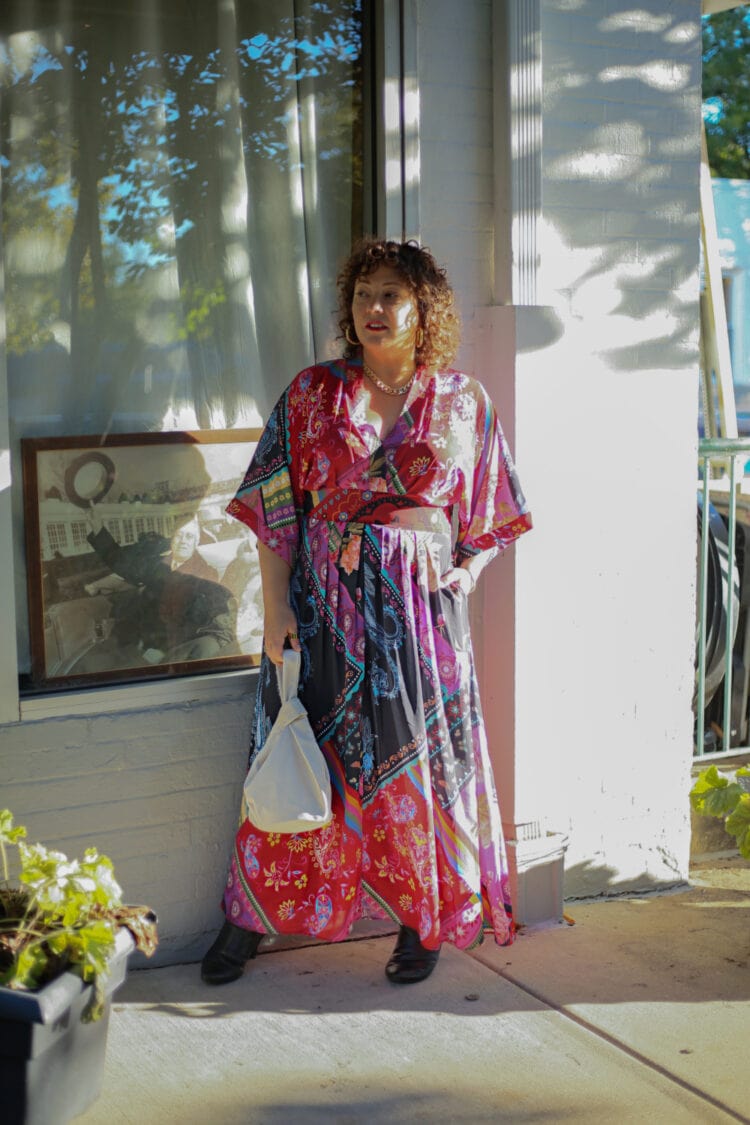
(539, 868)
(52, 1064)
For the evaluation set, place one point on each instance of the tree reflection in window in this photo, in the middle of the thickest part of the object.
(179, 184)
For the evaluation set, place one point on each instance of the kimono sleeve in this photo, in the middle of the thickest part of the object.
(265, 501)
(493, 511)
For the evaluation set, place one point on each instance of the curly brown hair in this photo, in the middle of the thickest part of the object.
(438, 317)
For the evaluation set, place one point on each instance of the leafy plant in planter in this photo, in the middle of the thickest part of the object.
(65, 938)
(728, 798)
(64, 916)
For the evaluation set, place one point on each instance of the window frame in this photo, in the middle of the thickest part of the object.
(391, 149)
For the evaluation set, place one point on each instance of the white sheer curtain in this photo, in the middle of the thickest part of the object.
(180, 182)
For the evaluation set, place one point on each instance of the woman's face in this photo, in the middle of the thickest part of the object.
(384, 311)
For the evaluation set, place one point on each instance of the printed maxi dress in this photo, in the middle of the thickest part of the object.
(368, 526)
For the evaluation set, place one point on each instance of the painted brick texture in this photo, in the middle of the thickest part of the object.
(608, 397)
(157, 791)
(620, 157)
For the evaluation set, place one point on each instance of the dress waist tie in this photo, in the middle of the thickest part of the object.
(343, 506)
(350, 510)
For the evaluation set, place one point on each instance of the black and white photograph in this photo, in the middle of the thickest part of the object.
(134, 568)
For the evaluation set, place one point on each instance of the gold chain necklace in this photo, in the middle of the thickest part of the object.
(384, 386)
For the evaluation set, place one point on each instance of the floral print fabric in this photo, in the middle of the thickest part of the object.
(369, 523)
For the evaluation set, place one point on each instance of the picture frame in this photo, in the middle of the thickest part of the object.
(134, 569)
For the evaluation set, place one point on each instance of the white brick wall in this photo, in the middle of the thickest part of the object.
(603, 409)
(606, 439)
(621, 130)
(157, 791)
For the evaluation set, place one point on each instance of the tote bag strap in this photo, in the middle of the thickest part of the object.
(288, 674)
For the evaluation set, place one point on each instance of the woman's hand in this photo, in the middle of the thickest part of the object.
(279, 624)
(458, 577)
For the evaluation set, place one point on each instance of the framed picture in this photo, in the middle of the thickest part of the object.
(134, 569)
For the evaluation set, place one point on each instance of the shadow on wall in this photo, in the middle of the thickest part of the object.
(589, 880)
(621, 172)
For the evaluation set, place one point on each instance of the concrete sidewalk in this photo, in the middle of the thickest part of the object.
(640, 1011)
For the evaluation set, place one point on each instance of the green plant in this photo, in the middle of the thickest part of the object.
(720, 795)
(63, 916)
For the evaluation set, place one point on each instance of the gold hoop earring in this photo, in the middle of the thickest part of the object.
(350, 342)
(419, 338)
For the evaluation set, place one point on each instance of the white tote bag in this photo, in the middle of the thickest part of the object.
(288, 786)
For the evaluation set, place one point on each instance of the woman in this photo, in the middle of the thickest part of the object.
(380, 489)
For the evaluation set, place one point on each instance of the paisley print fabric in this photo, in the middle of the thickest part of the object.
(369, 523)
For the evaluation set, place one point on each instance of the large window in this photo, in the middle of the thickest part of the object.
(180, 181)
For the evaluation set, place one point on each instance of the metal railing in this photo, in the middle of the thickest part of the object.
(722, 467)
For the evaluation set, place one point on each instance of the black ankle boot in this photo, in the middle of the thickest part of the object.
(227, 956)
(410, 961)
